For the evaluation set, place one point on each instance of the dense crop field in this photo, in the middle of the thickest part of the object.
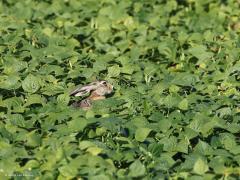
(175, 67)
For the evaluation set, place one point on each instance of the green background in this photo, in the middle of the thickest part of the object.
(174, 64)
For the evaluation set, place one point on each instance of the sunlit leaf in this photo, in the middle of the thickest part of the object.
(142, 133)
(200, 167)
(137, 169)
(31, 84)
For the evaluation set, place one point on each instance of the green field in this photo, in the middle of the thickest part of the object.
(175, 111)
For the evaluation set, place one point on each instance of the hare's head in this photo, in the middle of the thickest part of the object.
(104, 88)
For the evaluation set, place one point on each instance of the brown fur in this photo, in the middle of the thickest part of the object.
(96, 94)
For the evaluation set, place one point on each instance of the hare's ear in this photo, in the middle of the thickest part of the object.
(84, 90)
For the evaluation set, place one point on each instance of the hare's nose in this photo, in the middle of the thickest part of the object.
(113, 88)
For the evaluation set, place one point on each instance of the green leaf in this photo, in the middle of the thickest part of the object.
(67, 171)
(35, 99)
(203, 148)
(17, 119)
(224, 111)
(164, 125)
(200, 167)
(63, 99)
(171, 101)
(170, 143)
(228, 140)
(137, 169)
(101, 176)
(200, 52)
(94, 150)
(142, 133)
(77, 124)
(139, 121)
(85, 144)
(32, 164)
(114, 71)
(183, 146)
(31, 84)
(52, 89)
(155, 149)
(164, 162)
(185, 79)
(127, 69)
(10, 82)
(33, 139)
(14, 104)
(174, 89)
(183, 105)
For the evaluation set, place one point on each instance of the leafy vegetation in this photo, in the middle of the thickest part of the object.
(175, 68)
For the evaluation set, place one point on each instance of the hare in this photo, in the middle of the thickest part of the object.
(96, 90)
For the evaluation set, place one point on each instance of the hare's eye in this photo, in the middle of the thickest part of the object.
(104, 83)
